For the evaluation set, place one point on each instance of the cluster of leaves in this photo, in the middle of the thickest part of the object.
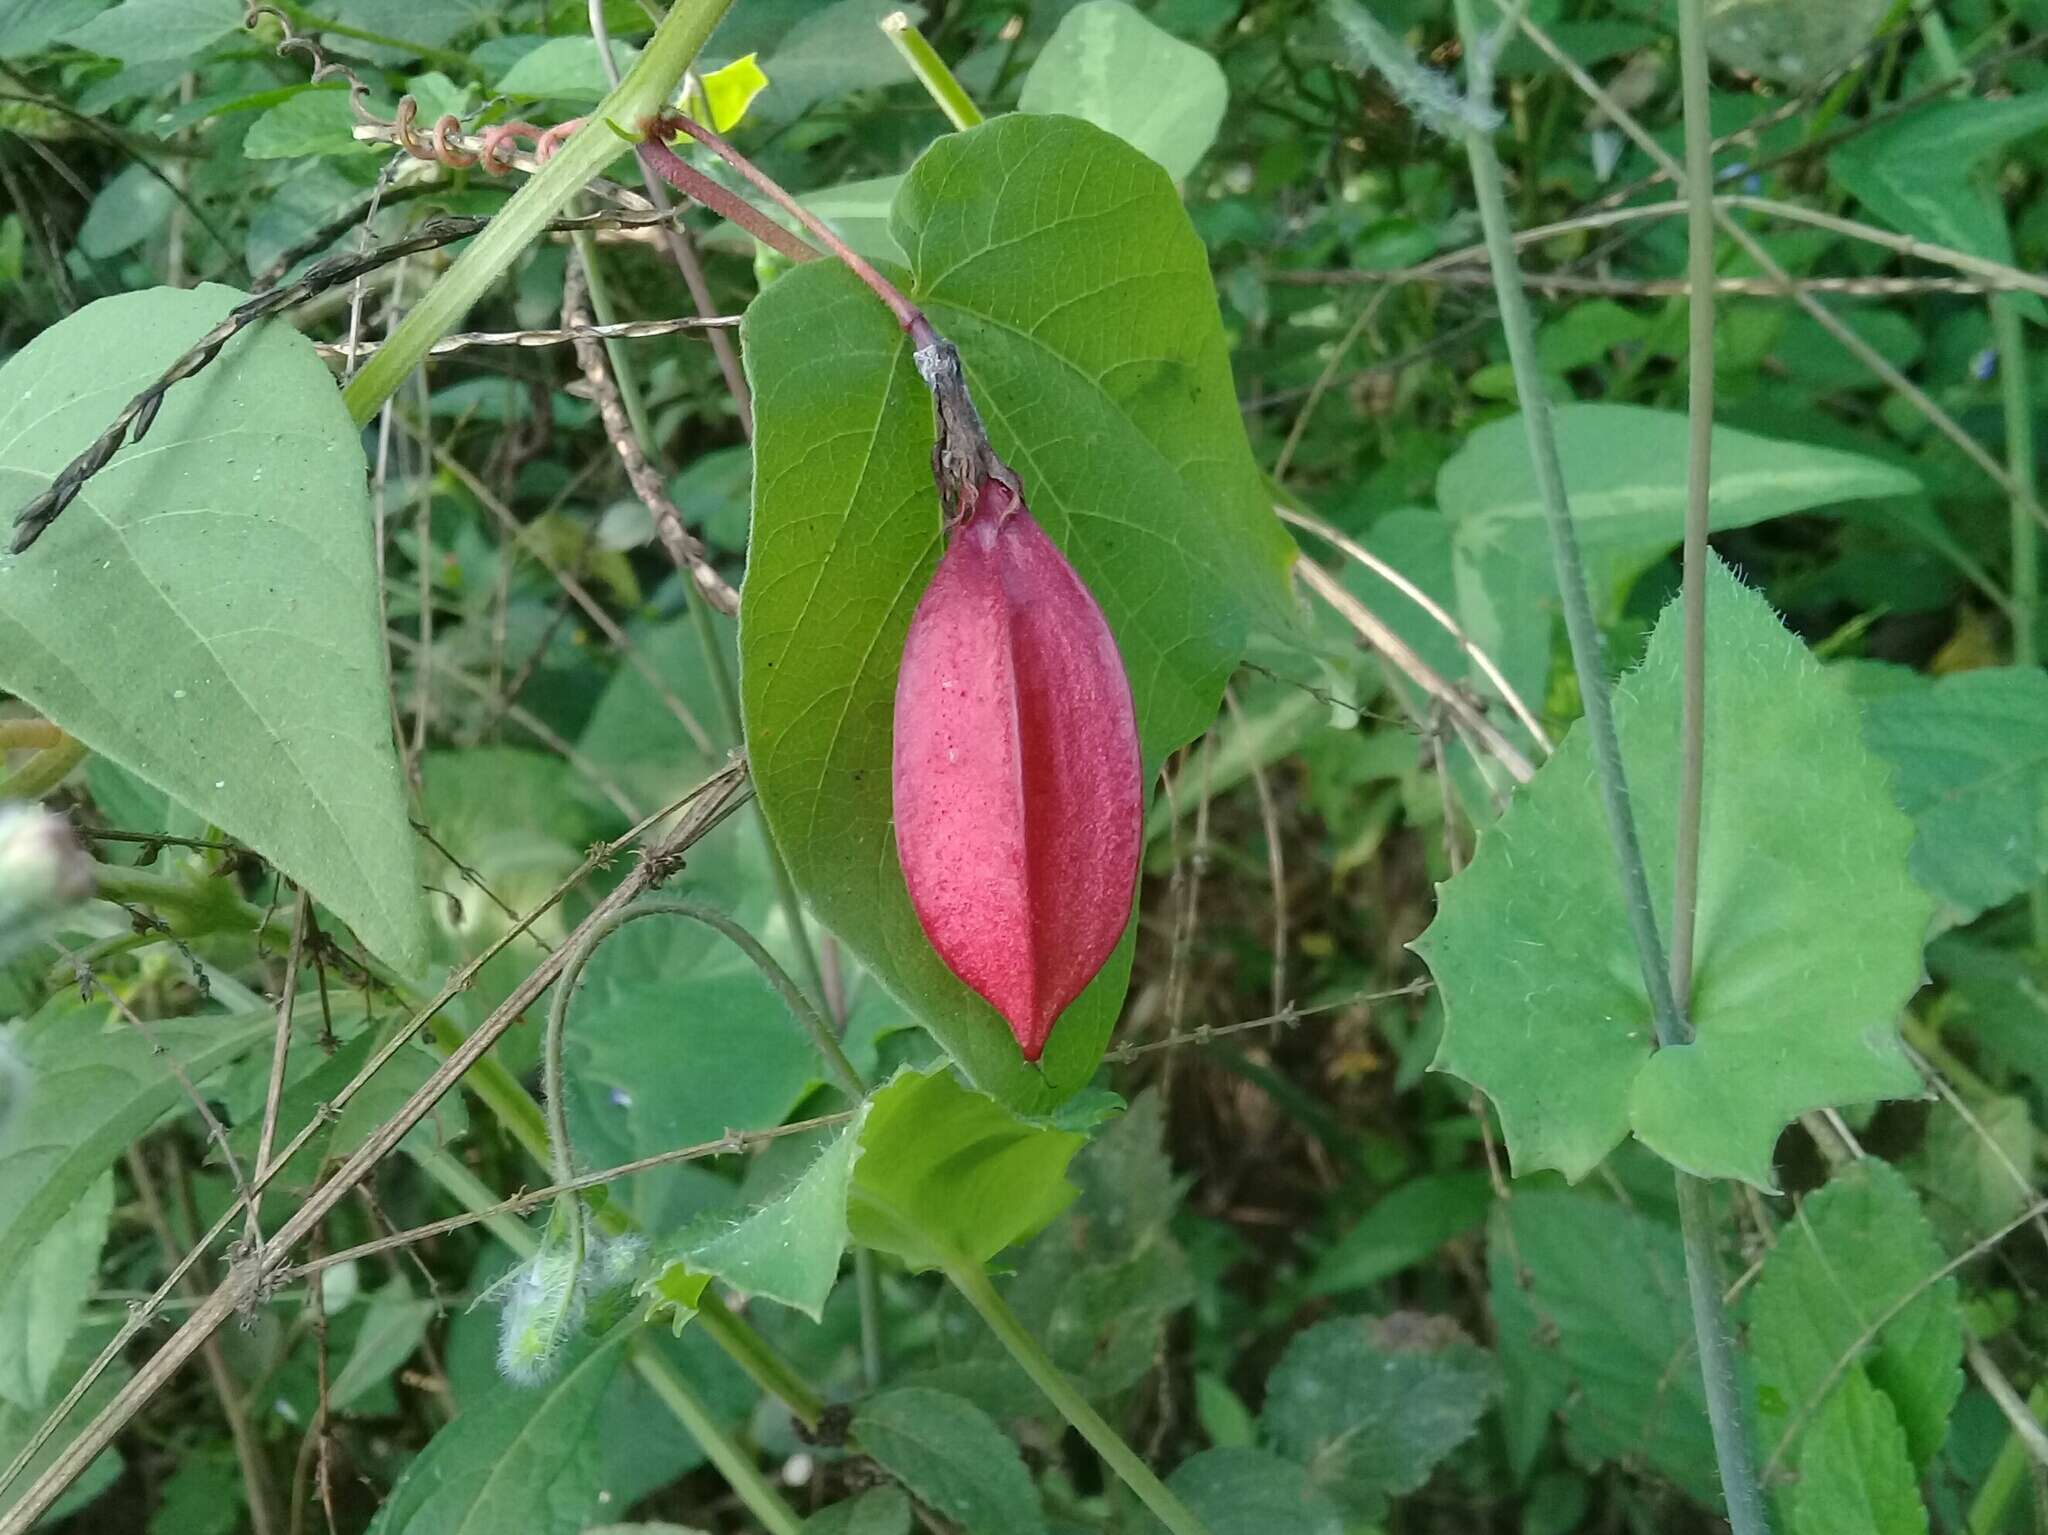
(1213, 258)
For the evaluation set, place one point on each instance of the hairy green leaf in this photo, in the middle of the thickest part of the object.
(1371, 1404)
(789, 1250)
(1855, 1477)
(1860, 1250)
(1250, 1492)
(518, 1458)
(95, 1085)
(1969, 759)
(1590, 1305)
(953, 1457)
(1809, 931)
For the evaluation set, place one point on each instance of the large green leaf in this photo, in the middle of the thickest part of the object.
(1589, 1302)
(152, 31)
(1855, 1477)
(948, 1175)
(1808, 938)
(42, 1300)
(1250, 1492)
(206, 613)
(1860, 1247)
(94, 1088)
(516, 1459)
(951, 1454)
(878, 1511)
(19, 1424)
(1370, 1405)
(1112, 66)
(1928, 173)
(1060, 262)
(1969, 759)
(1624, 467)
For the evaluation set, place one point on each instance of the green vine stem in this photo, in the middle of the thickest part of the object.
(2008, 1474)
(1726, 1407)
(644, 91)
(44, 771)
(972, 1281)
(766, 1368)
(738, 1469)
(554, 1097)
(931, 71)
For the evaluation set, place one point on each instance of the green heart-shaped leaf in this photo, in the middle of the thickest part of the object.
(1060, 262)
(1807, 944)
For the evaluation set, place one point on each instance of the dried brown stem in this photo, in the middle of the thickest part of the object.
(684, 547)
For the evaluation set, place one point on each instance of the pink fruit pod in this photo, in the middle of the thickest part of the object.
(1019, 794)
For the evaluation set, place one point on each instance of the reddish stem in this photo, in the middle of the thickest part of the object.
(908, 315)
(694, 184)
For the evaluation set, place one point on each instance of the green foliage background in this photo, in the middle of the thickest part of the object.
(1343, 1193)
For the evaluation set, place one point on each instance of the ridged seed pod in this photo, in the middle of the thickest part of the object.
(1019, 798)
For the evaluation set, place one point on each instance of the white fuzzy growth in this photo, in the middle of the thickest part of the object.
(543, 1307)
(616, 1260)
(1429, 95)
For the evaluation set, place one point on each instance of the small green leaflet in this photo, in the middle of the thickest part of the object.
(949, 1176)
(789, 1249)
(1808, 940)
(1860, 1253)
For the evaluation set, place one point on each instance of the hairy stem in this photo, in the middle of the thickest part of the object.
(1726, 1407)
(972, 1281)
(1699, 472)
